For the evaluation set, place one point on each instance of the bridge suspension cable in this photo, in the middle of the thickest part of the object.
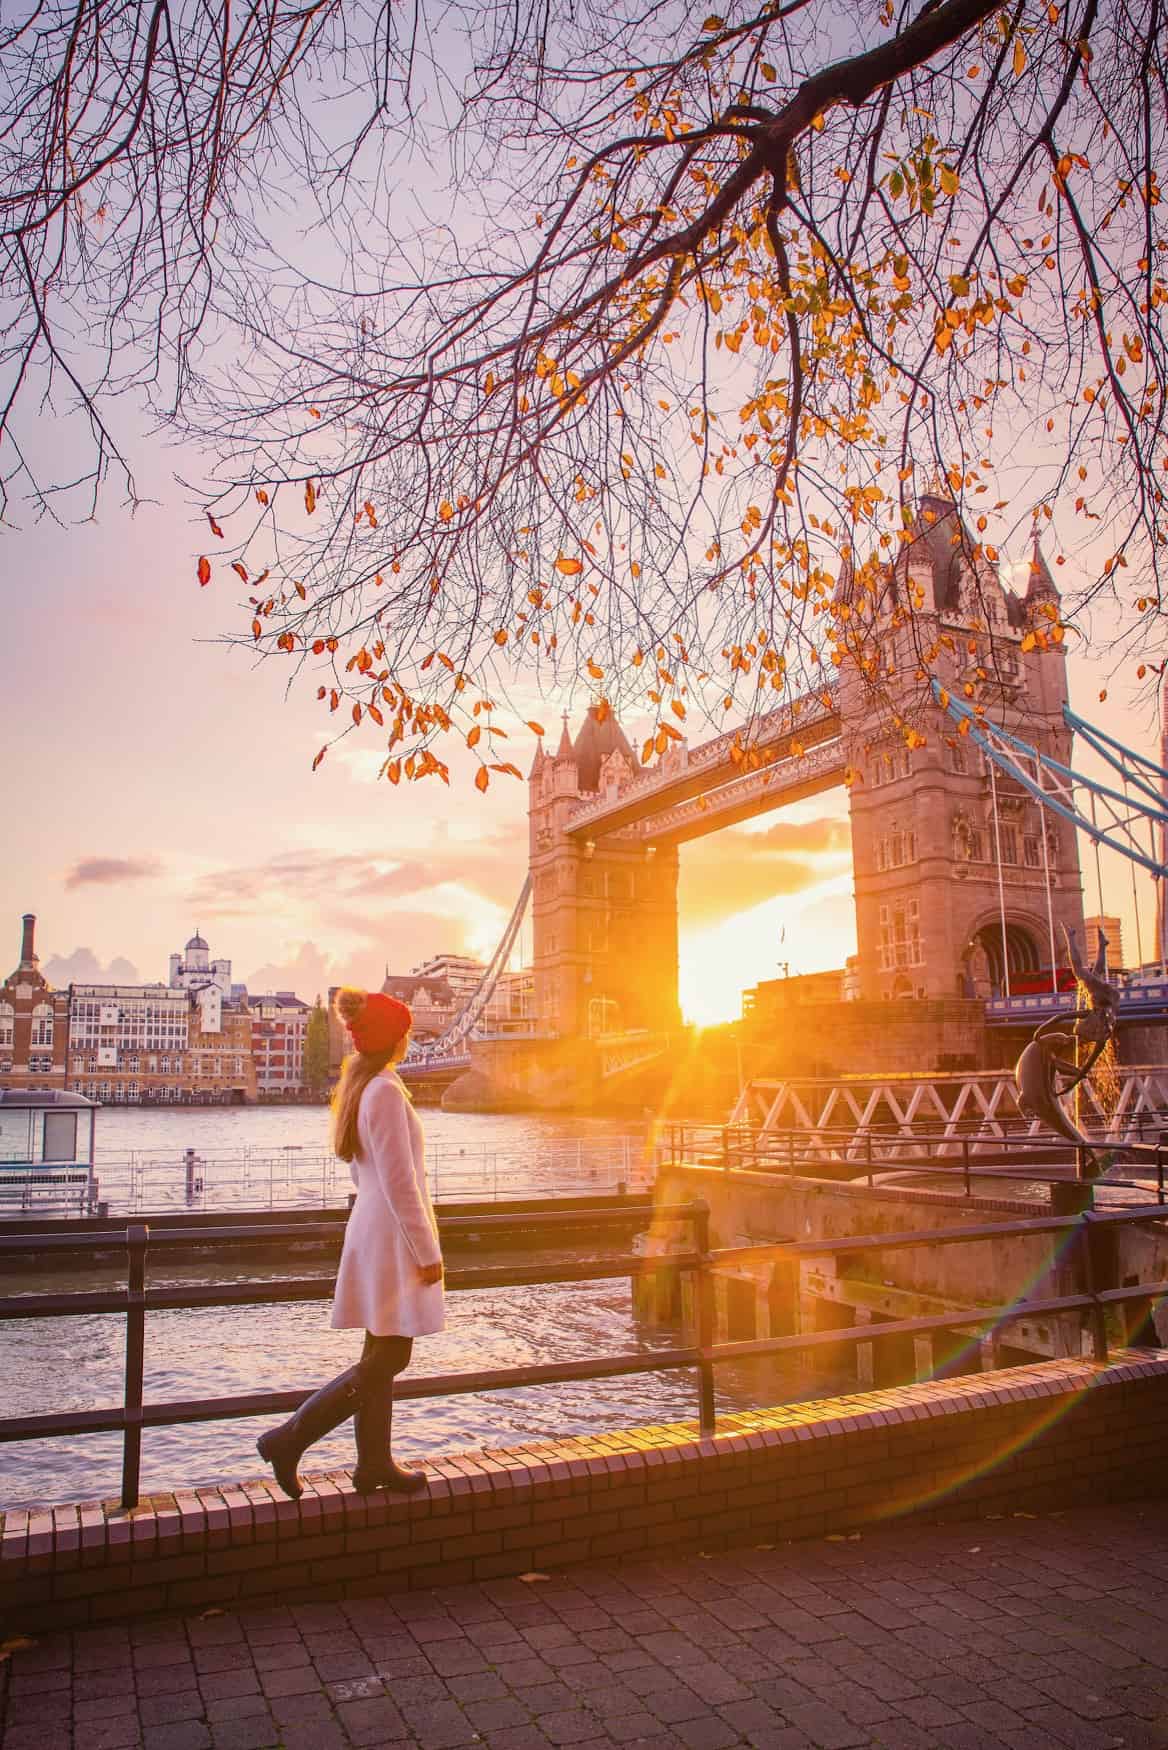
(452, 1042)
(1113, 818)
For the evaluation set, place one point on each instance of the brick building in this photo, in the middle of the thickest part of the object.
(34, 1022)
(279, 1027)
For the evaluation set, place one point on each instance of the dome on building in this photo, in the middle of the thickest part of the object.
(196, 944)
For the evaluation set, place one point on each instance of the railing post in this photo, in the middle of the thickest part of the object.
(965, 1160)
(791, 1153)
(1098, 1312)
(137, 1239)
(1159, 1172)
(704, 1298)
(868, 1154)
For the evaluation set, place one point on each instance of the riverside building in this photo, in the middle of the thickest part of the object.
(279, 1029)
(184, 1042)
(34, 1022)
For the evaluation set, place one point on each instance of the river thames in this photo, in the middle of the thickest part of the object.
(76, 1363)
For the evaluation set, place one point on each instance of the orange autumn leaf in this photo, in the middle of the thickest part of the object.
(240, 570)
(446, 510)
(473, 736)
(319, 757)
(256, 629)
(393, 771)
(261, 495)
(482, 778)
(310, 496)
(215, 529)
(500, 636)
(536, 728)
(569, 567)
(204, 571)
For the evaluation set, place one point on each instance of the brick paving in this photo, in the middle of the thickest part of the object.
(1044, 1632)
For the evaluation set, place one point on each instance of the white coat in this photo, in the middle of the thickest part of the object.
(391, 1228)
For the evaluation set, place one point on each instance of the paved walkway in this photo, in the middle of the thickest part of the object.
(1045, 1633)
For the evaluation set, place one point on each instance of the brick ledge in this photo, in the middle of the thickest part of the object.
(970, 1443)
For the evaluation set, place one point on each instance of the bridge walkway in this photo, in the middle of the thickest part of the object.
(1043, 1632)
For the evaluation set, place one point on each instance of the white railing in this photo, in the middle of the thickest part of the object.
(939, 1113)
(293, 1178)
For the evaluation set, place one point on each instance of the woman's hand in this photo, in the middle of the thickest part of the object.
(430, 1273)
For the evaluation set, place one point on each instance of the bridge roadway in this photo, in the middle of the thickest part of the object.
(1041, 1632)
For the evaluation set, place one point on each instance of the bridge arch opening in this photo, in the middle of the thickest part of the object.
(985, 964)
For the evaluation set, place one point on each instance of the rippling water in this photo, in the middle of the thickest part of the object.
(76, 1363)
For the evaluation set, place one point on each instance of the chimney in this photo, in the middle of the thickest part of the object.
(27, 951)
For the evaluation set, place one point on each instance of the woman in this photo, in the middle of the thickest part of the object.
(389, 1283)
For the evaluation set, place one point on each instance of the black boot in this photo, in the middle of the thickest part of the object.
(372, 1422)
(325, 1410)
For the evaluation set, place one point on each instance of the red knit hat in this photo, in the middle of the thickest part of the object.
(382, 1023)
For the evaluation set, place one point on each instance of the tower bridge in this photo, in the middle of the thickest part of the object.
(959, 882)
(962, 881)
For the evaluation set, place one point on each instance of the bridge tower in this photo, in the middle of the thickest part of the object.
(604, 914)
(942, 849)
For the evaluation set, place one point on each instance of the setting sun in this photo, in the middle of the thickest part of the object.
(812, 931)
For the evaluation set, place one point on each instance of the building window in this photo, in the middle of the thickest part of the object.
(7, 1023)
(42, 1025)
(896, 848)
(889, 764)
(900, 936)
(1031, 851)
(1009, 843)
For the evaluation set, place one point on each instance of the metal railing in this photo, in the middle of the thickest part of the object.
(150, 1182)
(700, 1262)
(971, 1150)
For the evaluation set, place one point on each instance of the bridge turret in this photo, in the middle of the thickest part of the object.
(604, 912)
(1041, 586)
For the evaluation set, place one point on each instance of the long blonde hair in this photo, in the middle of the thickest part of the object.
(357, 1071)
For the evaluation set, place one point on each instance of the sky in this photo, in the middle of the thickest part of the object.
(158, 781)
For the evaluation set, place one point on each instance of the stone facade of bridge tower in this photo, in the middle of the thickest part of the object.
(604, 916)
(927, 843)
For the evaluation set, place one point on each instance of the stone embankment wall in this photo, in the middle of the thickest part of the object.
(756, 1208)
(1051, 1435)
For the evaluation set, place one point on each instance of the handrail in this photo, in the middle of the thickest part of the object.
(742, 1146)
(699, 1261)
(51, 1239)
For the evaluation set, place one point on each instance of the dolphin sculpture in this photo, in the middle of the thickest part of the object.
(1044, 1077)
